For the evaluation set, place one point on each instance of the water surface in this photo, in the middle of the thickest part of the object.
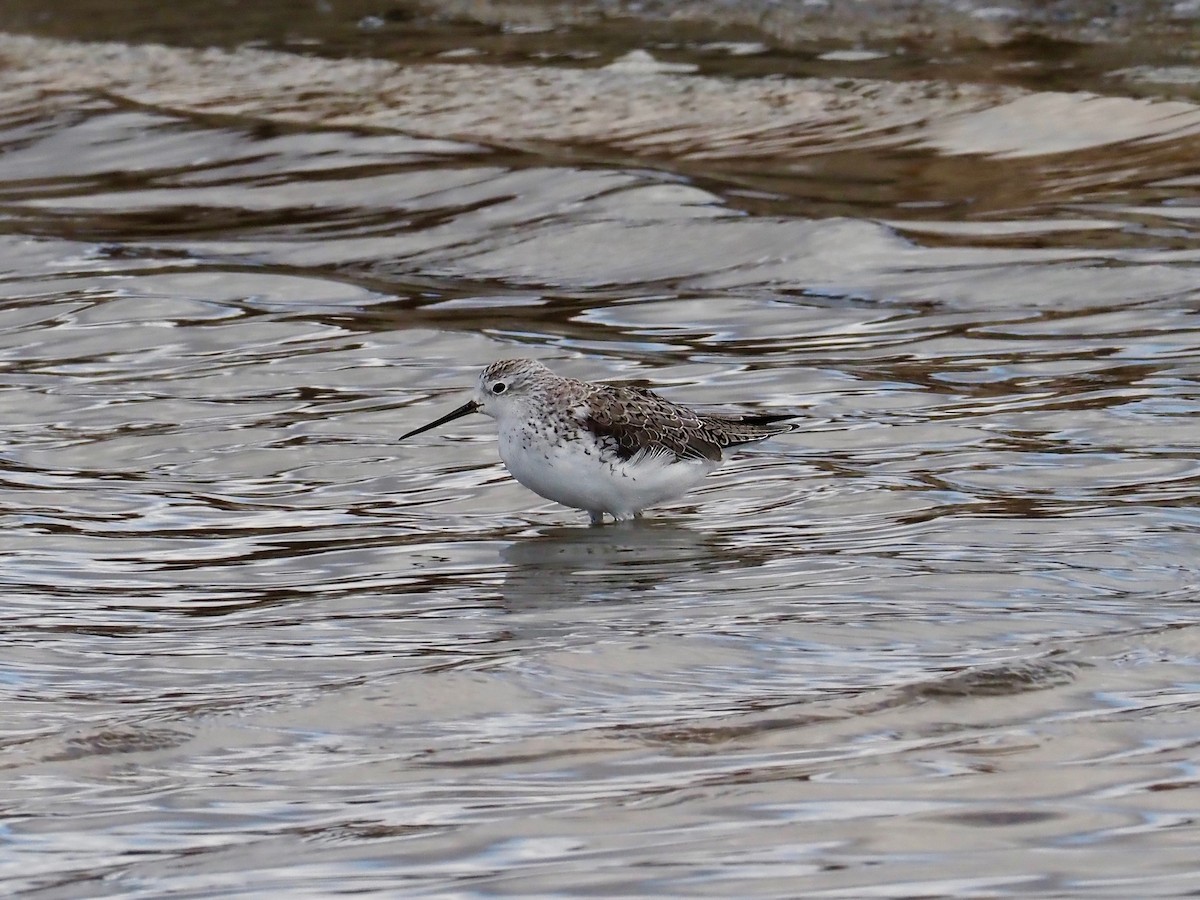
(940, 642)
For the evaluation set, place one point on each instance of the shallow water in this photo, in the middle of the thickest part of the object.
(941, 642)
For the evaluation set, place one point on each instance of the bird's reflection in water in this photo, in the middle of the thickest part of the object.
(560, 566)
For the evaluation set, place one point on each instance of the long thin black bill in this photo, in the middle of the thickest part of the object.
(465, 410)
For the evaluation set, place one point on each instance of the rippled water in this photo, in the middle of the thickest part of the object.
(941, 642)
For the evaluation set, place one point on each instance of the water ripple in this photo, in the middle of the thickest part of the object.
(252, 643)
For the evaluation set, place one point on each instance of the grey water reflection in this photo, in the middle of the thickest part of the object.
(566, 565)
(941, 642)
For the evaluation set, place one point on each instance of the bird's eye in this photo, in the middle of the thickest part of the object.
(499, 387)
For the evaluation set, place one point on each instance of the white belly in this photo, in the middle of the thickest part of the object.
(573, 473)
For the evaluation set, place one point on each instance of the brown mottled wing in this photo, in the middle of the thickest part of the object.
(729, 431)
(635, 420)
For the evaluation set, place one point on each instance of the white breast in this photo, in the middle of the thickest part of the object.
(572, 471)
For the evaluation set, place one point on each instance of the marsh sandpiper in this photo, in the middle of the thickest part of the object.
(602, 448)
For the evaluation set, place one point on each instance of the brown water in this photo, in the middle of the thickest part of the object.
(941, 642)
